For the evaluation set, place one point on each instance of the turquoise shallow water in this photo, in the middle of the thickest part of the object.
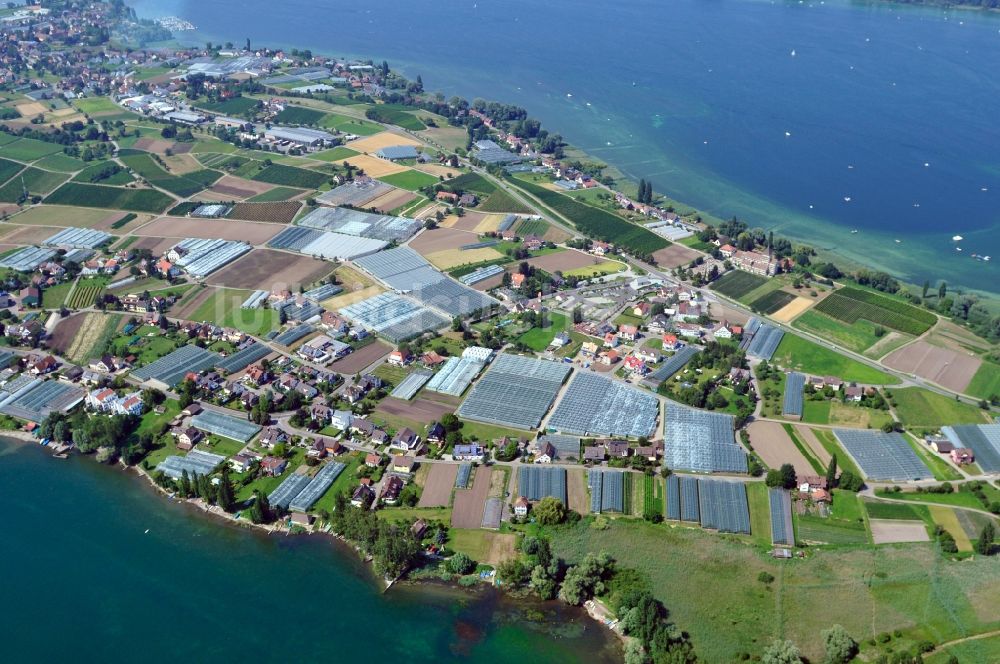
(891, 107)
(83, 581)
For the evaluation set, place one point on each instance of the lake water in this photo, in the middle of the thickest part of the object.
(83, 581)
(778, 112)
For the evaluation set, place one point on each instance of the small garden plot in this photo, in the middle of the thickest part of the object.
(410, 180)
(279, 212)
(85, 294)
(652, 497)
(737, 283)
(290, 176)
(87, 195)
(771, 302)
(853, 304)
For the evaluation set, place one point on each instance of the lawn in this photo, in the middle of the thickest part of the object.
(868, 590)
(760, 512)
(344, 482)
(985, 384)
(410, 180)
(829, 530)
(917, 407)
(961, 497)
(94, 105)
(442, 514)
(857, 336)
(54, 296)
(799, 354)
(816, 412)
(599, 269)
(223, 308)
(539, 338)
(487, 432)
(896, 511)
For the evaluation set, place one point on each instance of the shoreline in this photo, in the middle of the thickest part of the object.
(594, 608)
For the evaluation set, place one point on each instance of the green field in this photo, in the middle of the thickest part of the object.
(182, 186)
(961, 497)
(409, 180)
(853, 304)
(350, 125)
(86, 293)
(866, 589)
(335, 154)
(9, 169)
(985, 384)
(299, 115)
(501, 201)
(472, 182)
(54, 296)
(115, 198)
(596, 223)
(95, 105)
(223, 308)
(857, 336)
(653, 497)
(538, 339)
(107, 173)
(60, 162)
(290, 176)
(276, 194)
(37, 182)
(771, 302)
(237, 106)
(387, 114)
(30, 149)
(917, 407)
(895, 511)
(527, 227)
(737, 283)
(799, 354)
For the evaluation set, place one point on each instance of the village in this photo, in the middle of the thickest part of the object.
(281, 284)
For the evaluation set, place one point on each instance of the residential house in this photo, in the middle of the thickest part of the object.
(607, 358)
(853, 393)
(240, 463)
(273, 466)
(436, 433)
(30, 297)
(403, 464)
(546, 453)
(647, 355)
(373, 460)
(405, 440)
(431, 359)
(392, 488)
(634, 365)
(628, 332)
(617, 449)
(588, 349)
(362, 496)
(812, 483)
(400, 358)
(46, 365)
(188, 438)
(594, 453)
(671, 342)
(962, 455)
(341, 419)
(317, 449)
(521, 506)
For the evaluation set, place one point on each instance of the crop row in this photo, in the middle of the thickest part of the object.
(114, 198)
(773, 301)
(84, 296)
(850, 311)
(290, 176)
(598, 224)
(651, 503)
(737, 283)
(883, 302)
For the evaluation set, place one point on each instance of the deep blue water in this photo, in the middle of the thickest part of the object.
(98, 567)
(891, 107)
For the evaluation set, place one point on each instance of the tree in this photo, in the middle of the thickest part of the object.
(586, 579)
(544, 582)
(461, 564)
(848, 481)
(549, 511)
(927, 287)
(781, 652)
(512, 572)
(225, 496)
(840, 648)
(984, 546)
(783, 477)
(260, 511)
(831, 472)
(942, 290)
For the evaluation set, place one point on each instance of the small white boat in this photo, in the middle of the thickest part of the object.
(854, 232)
(793, 52)
(787, 134)
(847, 199)
(898, 241)
(956, 238)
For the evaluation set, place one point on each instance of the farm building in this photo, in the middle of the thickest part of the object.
(397, 152)
(27, 259)
(227, 426)
(700, 441)
(361, 224)
(792, 405)
(316, 487)
(196, 463)
(598, 406)
(394, 317)
(516, 391)
(982, 439)
(78, 238)
(199, 258)
(302, 136)
(760, 340)
(882, 456)
(34, 399)
(170, 369)
(332, 246)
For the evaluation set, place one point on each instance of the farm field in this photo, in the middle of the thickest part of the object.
(361, 358)
(538, 338)
(86, 292)
(597, 223)
(222, 229)
(36, 181)
(985, 383)
(238, 187)
(88, 195)
(675, 255)
(104, 173)
(238, 106)
(276, 194)
(276, 212)
(267, 269)
(334, 154)
(46, 215)
(867, 590)
(501, 201)
(853, 304)
(472, 182)
(469, 503)
(737, 283)
(94, 106)
(386, 114)
(775, 447)
(792, 309)
(299, 115)
(598, 269)
(947, 367)
(223, 308)
(60, 162)
(85, 336)
(410, 180)
(800, 354)
(30, 149)
(772, 302)
(917, 407)
(857, 336)
(439, 485)
(290, 176)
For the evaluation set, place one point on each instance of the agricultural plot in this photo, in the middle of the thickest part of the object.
(792, 309)
(236, 106)
(917, 407)
(857, 336)
(275, 195)
(107, 173)
(290, 176)
(597, 223)
(85, 337)
(386, 114)
(60, 162)
(115, 198)
(30, 149)
(951, 368)
(439, 485)
(799, 354)
(350, 125)
(9, 169)
(299, 115)
(737, 283)
(853, 304)
(180, 185)
(85, 294)
(652, 495)
(472, 182)
(276, 212)
(772, 302)
(501, 201)
(410, 180)
(33, 180)
(985, 383)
